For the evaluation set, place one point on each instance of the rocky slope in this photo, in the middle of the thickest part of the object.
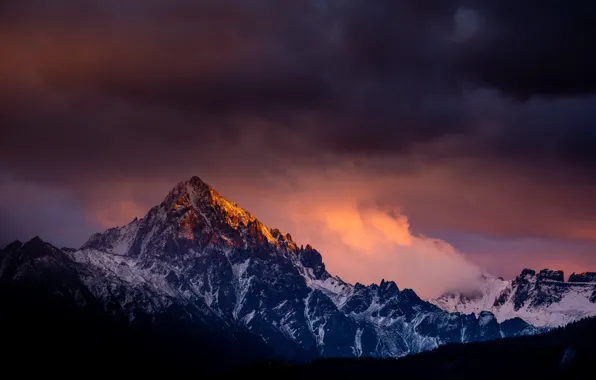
(200, 258)
(542, 299)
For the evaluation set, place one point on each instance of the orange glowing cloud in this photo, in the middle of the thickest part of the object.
(367, 244)
(363, 229)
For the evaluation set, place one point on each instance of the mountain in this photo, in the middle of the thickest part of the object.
(563, 353)
(50, 315)
(198, 265)
(542, 299)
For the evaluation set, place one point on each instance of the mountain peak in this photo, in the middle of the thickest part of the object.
(196, 179)
(198, 193)
(527, 272)
(196, 203)
(35, 242)
(13, 246)
(552, 275)
(192, 215)
(194, 186)
(544, 274)
(34, 248)
(583, 277)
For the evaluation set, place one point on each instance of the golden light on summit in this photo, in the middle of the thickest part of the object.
(236, 215)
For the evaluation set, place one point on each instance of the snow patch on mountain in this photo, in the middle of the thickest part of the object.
(358, 343)
(333, 287)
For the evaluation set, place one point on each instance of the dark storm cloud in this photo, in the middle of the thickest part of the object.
(93, 91)
(128, 80)
(534, 47)
(349, 72)
(551, 132)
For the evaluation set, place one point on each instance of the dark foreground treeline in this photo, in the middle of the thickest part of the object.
(565, 353)
(43, 336)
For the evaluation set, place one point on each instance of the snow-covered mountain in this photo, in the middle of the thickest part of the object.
(200, 258)
(542, 299)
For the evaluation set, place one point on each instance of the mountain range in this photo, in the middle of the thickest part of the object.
(543, 299)
(200, 268)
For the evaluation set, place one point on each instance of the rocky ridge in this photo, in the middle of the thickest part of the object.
(543, 299)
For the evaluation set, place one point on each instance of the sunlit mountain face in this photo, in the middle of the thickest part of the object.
(431, 144)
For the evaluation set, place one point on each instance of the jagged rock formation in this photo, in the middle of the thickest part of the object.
(552, 275)
(542, 299)
(583, 277)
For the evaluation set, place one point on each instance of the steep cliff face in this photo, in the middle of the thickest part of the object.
(542, 299)
(203, 258)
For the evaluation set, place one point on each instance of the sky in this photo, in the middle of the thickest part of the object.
(423, 142)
